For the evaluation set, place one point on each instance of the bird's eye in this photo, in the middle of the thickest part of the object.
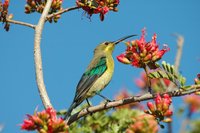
(106, 43)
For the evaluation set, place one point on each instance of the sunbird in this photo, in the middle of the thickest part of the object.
(97, 75)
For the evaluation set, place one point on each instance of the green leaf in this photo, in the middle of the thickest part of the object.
(168, 72)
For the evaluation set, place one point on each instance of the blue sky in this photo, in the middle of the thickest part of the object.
(67, 48)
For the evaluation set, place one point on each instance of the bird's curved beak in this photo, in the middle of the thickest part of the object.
(122, 39)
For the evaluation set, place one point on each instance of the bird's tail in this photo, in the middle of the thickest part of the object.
(72, 106)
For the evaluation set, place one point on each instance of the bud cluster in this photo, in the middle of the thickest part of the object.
(45, 122)
(38, 6)
(160, 109)
(140, 53)
(143, 124)
(98, 6)
(4, 14)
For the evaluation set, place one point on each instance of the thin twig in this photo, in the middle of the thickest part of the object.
(133, 99)
(148, 79)
(20, 23)
(61, 12)
(37, 56)
(180, 41)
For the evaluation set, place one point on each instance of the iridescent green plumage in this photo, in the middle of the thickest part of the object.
(88, 78)
(97, 75)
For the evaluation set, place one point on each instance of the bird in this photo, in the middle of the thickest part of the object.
(97, 75)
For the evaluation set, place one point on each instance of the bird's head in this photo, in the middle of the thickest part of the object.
(108, 47)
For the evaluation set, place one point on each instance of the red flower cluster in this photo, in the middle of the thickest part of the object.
(143, 124)
(140, 53)
(98, 6)
(4, 14)
(38, 6)
(160, 109)
(193, 102)
(45, 122)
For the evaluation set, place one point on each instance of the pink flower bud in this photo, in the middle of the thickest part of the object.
(153, 41)
(151, 107)
(167, 82)
(136, 56)
(121, 58)
(136, 63)
(158, 101)
(158, 55)
(165, 106)
(28, 125)
(105, 10)
(168, 113)
(147, 58)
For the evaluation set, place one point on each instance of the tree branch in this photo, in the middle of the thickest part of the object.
(180, 41)
(37, 56)
(61, 12)
(20, 23)
(133, 99)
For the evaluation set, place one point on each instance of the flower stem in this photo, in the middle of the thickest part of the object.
(148, 79)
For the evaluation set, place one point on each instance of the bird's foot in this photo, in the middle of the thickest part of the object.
(107, 100)
(88, 102)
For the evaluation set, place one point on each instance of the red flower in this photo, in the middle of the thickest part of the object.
(4, 14)
(98, 6)
(28, 125)
(158, 102)
(151, 106)
(141, 53)
(45, 121)
(161, 108)
(168, 113)
(122, 58)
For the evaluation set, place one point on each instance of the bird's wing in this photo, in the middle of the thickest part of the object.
(88, 79)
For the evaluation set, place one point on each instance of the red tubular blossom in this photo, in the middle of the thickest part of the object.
(142, 53)
(161, 108)
(151, 106)
(165, 106)
(121, 58)
(158, 102)
(98, 6)
(28, 125)
(168, 113)
(45, 121)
